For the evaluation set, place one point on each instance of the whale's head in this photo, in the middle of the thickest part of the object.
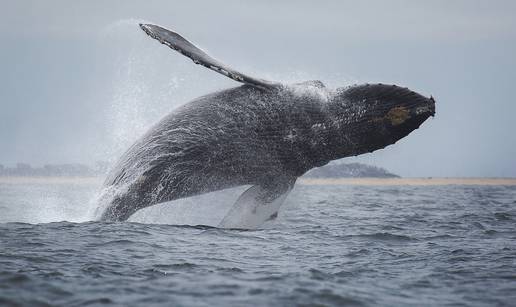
(371, 117)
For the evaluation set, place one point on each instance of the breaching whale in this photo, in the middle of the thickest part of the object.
(262, 133)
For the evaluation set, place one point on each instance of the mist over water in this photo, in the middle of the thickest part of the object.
(137, 100)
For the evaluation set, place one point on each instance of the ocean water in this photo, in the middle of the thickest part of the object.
(334, 245)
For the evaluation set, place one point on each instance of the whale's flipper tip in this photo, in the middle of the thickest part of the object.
(150, 29)
(257, 205)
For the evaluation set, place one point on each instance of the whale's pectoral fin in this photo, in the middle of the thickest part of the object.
(183, 46)
(257, 205)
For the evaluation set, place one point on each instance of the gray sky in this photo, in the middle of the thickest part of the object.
(80, 81)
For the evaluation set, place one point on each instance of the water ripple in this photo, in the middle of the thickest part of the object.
(330, 246)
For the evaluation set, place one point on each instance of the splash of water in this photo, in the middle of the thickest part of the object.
(140, 96)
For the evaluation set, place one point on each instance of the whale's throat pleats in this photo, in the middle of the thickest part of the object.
(186, 48)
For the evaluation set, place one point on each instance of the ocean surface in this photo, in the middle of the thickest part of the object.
(335, 245)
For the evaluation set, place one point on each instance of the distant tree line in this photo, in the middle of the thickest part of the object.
(67, 169)
(349, 170)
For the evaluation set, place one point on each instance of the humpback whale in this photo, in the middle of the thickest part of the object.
(262, 133)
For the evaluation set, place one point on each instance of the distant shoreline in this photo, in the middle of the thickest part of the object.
(303, 181)
(407, 181)
(51, 179)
